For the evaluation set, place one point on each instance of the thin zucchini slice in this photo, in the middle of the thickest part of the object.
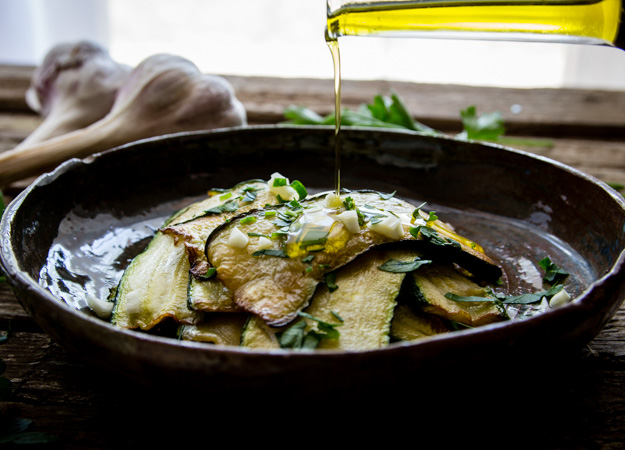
(408, 325)
(431, 283)
(210, 296)
(221, 329)
(154, 287)
(365, 299)
(257, 334)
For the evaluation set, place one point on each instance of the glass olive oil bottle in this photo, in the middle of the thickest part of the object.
(574, 21)
(596, 22)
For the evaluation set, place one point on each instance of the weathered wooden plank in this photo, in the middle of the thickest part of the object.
(14, 80)
(555, 112)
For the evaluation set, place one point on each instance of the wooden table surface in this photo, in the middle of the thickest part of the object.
(576, 402)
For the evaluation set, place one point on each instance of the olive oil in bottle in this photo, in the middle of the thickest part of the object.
(574, 21)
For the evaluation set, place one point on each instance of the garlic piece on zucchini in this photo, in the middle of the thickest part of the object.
(390, 227)
(350, 220)
(264, 243)
(238, 239)
(333, 200)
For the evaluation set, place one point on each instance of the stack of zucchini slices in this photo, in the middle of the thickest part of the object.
(264, 265)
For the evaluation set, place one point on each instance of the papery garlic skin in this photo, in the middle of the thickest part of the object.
(74, 87)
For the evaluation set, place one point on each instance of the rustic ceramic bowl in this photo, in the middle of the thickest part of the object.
(74, 230)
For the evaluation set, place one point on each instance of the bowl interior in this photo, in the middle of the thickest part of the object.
(74, 231)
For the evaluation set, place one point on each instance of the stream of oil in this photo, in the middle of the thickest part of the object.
(333, 45)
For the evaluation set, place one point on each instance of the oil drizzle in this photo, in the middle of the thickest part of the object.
(333, 45)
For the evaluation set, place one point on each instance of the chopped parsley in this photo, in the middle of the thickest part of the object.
(277, 182)
(553, 273)
(210, 273)
(397, 266)
(248, 220)
(300, 189)
(249, 194)
(385, 196)
(314, 237)
(523, 299)
(330, 281)
(296, 336)
(230, 206)
(432, 236)
(270, 252)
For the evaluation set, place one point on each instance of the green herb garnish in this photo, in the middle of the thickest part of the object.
(277, 182)
(391, 112)
(230, 206)
(385, 196)
(270, 213)
(270, 252)
(210, 272)
(314, 237)
(300, 189)
(523, 299)
(397, 266)
(553, 273)
(296, 337)
(330, 281)
(249, 194)
(248, 220)
(432, 236)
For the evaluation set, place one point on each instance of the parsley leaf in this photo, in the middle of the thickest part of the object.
(270, 252)
(296, 337)
(300, 189)
(384, 196)
(553, 273)
(487, 127)
(249, 194)
(230, 206)
(277, 182)
(210, 272)
(432, 236)
(397, 266)
(330, 281)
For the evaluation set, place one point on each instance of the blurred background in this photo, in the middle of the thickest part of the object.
(284, 38)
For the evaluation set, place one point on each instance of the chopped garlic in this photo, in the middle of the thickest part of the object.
(390, 227)
(285, 192)
(103, 309)
(333, 200)
(238, 239)
(264, 243)
(133, 302)
(560, 299)
(350, 220)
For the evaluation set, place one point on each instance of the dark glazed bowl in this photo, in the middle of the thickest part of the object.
(518, 206)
